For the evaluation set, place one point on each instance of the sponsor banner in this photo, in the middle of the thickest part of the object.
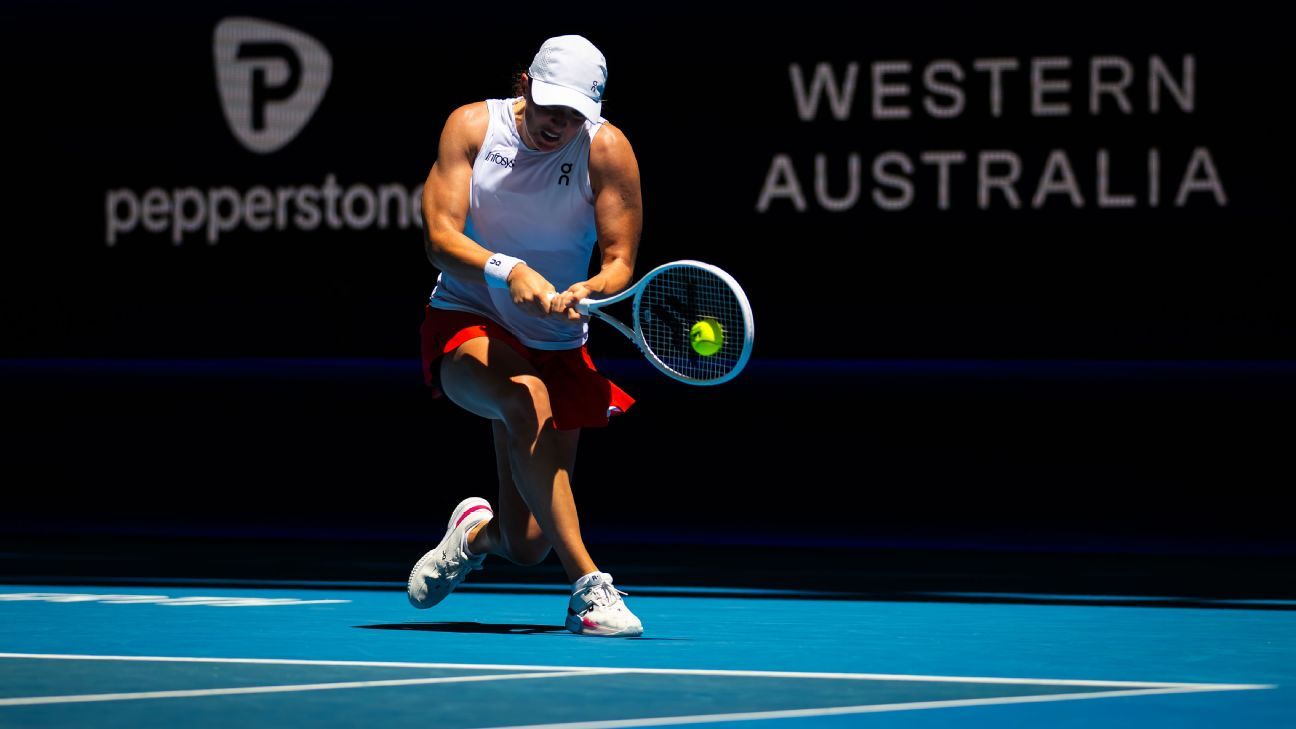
(1107, 182)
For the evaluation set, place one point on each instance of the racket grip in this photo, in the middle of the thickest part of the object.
(581, 307)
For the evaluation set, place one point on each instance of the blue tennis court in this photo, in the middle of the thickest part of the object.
(350, 655)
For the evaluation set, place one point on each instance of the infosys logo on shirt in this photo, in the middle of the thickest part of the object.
(500, 160)
(271, 80)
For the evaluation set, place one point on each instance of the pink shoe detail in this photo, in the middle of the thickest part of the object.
(475, 508)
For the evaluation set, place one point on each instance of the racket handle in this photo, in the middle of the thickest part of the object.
(581, 307)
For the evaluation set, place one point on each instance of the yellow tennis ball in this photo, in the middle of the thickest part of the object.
(707, 337)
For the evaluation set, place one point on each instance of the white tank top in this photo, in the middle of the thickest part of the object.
(537, 206)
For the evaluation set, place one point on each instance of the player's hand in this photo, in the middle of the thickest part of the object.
(530, 291)
(565, 303)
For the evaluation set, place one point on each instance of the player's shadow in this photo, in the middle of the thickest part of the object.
(471, 627)
(475, 627)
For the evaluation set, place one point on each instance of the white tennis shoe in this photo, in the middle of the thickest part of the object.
(441, 570)
(596, 608)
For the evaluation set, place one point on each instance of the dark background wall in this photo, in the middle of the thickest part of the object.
(1096, 354)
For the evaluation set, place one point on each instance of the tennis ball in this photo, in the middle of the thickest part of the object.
(707, 337)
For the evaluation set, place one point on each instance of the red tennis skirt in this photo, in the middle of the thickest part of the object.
(579, 396)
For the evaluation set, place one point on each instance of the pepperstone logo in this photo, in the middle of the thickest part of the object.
(271, 80)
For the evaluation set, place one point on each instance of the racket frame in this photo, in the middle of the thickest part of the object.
(592, 307)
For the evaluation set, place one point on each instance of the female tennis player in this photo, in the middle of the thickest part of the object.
(521, 190)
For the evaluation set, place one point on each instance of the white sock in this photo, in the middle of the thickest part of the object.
(587, 580)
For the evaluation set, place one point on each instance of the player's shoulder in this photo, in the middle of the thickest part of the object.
(610, 148)
(469, 117)
(465, 128)
(610, 138)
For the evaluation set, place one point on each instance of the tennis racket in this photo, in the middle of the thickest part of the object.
(668, 302)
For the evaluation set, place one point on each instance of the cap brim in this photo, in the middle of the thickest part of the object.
(547, 94)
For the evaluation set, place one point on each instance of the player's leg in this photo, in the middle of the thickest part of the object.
(539, 461)
(539, 457)
(515, 528)
(514, 533)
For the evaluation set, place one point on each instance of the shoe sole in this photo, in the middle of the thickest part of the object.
(577, 626)
(456, 516)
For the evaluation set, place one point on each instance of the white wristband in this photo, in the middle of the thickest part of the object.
(498, 268)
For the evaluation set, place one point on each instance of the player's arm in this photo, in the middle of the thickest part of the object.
(618, 216)
(445, 209)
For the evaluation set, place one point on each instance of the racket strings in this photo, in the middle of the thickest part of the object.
(676, 299)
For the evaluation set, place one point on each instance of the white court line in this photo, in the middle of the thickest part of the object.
(162, 600)
(865, 709)
(90, 698)
(293, 662)
(1123, 688)
(669, 671)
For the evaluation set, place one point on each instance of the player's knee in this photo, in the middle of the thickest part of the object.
(527, 401)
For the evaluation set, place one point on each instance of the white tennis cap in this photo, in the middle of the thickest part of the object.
(569, 71)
